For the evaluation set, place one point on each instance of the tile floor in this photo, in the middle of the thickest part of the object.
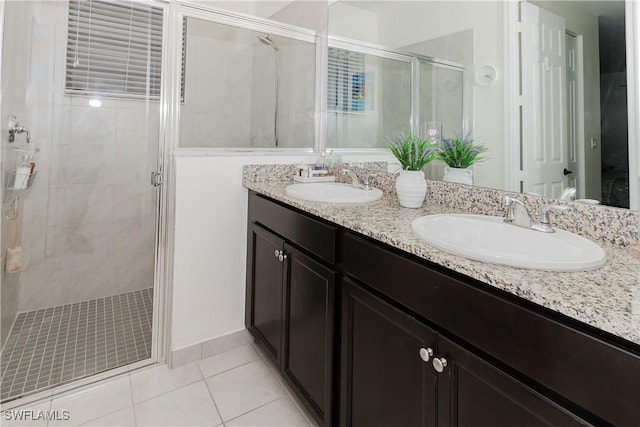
(235, 388)
(53, 346)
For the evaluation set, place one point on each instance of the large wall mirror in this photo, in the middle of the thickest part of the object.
(571, 80)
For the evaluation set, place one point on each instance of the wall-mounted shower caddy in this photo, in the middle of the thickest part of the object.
(24, 173)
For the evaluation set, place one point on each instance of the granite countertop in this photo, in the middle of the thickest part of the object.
(607, 298)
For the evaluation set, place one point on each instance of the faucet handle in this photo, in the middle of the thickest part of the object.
(366, 184)
(544, 212)
(508, 200)
(355, 182)
(544, 223)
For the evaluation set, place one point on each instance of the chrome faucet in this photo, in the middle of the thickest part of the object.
(517, 213)
(15, 128)
(543, 223)
(355, 181)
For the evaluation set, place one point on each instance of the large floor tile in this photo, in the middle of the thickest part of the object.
(228, 360)
(94, 402)
(122, 418)
(243, 389)
(160, 379)
(281, 413)
(187, 406)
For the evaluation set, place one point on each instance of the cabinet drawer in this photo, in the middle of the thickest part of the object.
(602, 378)
(313, 235)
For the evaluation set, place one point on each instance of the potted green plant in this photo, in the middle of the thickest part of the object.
(460, 153)
(413, 152)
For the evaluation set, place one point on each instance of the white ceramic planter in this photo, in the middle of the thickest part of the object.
(411, 188)
(459, 175)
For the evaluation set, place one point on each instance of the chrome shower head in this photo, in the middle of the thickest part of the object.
(266, 39)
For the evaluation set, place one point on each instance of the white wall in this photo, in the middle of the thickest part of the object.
(210, 243)
(353, 22)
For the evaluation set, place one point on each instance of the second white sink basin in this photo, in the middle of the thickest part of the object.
(490, 239)
(332, 192)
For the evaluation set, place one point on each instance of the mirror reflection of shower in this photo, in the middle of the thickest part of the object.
(266, 39)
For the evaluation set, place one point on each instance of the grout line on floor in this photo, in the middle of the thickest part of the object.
(210, 394)
(226, 370)
(254, 409)
(133, 403)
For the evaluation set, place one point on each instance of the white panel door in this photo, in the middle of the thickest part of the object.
(544, 124)
(575, 146)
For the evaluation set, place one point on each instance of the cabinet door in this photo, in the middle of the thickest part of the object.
(384, 380)
(473, 393)
(308, 325)
(264, 290)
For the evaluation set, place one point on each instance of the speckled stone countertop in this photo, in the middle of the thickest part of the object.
(607, 298)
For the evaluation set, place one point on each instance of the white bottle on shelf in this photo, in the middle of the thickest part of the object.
(23, 172)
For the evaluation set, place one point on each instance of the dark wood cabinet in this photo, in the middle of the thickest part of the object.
(572, 367)
(385, 317)
(398, 372)
(264, 309)
(308, 330)
(474, 393)
(384, 380)
(290, 299)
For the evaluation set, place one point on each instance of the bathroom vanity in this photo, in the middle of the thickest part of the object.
(372, 327)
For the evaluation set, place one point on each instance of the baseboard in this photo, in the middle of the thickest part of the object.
(195, 352)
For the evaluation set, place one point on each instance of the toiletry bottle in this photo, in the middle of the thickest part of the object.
(22, 174)
(333, 160)
(32, 164)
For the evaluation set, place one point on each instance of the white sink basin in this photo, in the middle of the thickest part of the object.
(332, 192)
(490, 239)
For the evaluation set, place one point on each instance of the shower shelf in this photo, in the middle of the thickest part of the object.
(18, 182)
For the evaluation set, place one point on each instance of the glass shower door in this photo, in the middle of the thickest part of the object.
(88, 91)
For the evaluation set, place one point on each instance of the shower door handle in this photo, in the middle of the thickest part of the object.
(156, 179)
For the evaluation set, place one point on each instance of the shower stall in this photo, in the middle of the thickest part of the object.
(79, 300)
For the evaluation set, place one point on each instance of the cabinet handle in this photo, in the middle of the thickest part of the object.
(278, 253)
(282, 256)
(426, 353)
(439, 364)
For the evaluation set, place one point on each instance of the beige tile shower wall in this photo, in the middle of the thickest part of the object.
(89, 221)
(296, 108)
(218, 68)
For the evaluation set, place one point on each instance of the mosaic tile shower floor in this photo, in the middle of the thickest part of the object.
(56, 345)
